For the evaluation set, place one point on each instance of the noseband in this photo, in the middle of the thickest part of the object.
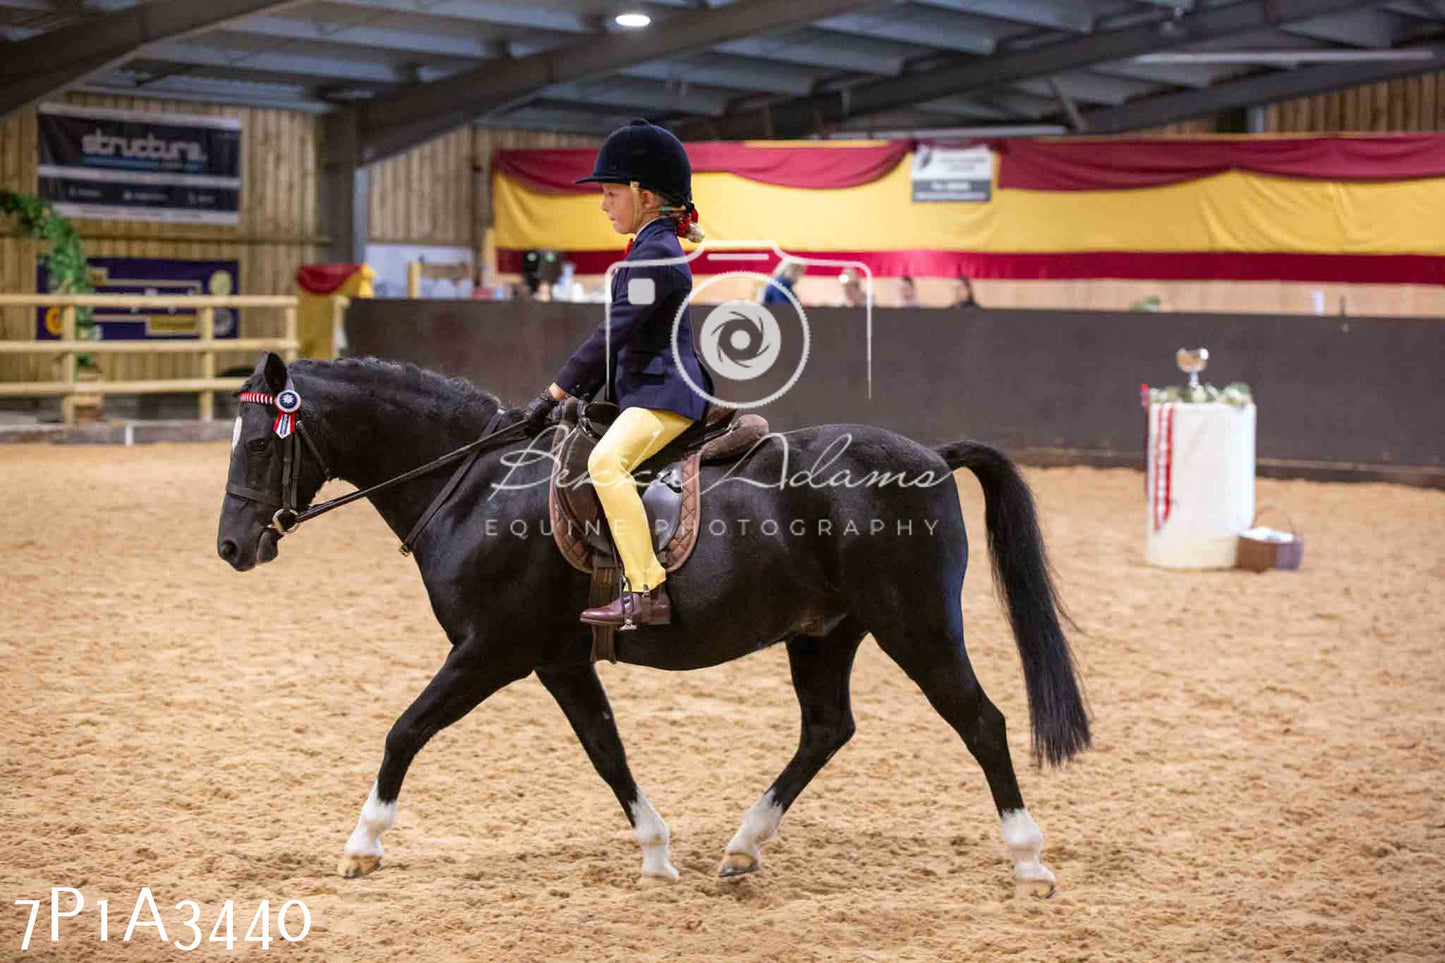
(287, 427)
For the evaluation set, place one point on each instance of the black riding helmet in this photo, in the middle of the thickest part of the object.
(650, 155)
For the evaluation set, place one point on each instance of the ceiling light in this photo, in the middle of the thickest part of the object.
(633, 21)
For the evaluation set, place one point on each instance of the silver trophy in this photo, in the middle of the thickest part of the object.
(1191, 363)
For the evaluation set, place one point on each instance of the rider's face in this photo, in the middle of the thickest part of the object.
(617, 204)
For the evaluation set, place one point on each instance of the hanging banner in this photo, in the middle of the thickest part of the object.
(952, 173)
(150, 276)
(134, 166)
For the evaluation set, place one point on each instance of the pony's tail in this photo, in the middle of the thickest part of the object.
(1026, 588)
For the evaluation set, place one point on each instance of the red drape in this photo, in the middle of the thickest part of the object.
(808, 167)
(1143, 265)
(1091, 165)
(324, 278)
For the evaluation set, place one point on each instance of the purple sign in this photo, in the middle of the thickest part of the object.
(151, 276)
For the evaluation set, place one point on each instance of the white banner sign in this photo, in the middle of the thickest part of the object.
(952, 174)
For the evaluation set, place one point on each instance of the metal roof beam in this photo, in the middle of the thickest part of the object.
(399, 120)
(995, 105)
(550, 115)
(927, 27)
(46, 64)
(189, 89)
(371, 37)
(816, 48)
(1357, 28)
(642, 95)
(1090, 88)
(1432, 10)
(1178, 75)
(732, 73)
(1033, 13)
(484, 11)
(296, 64)
(1234, 94)
(800, 117)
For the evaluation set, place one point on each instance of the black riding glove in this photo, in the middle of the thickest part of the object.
(540, 410)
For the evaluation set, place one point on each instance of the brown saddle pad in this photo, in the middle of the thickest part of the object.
(670, 481)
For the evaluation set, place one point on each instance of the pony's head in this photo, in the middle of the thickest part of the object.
(273, 474)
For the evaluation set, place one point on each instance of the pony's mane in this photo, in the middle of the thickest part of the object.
(404, 376)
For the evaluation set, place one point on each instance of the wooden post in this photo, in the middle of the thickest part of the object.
(339, 303)
(290, 311)
(413, 279)
(68, 365)
(207, 320)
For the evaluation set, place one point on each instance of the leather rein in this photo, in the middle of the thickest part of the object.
(288, 427)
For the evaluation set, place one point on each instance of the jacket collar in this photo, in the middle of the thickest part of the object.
(661, 222)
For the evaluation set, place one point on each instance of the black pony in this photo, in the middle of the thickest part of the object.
(819, 536)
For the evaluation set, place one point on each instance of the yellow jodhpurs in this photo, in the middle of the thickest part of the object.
(636, 435)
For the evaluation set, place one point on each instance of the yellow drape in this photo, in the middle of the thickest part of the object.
(1232, 212)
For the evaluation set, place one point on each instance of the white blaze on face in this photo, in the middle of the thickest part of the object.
(236, 435)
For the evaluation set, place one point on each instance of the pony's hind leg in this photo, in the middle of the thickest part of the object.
(579, 692)
(934, 657)
(820, 668)
(468, 676)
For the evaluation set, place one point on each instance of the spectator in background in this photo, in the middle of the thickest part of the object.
(785, 275)
(908, 292)
(965, 299)
(852, 294)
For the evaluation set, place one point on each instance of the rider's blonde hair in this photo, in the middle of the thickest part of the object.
(684, 214)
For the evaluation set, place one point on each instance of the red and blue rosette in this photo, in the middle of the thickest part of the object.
(288, 403)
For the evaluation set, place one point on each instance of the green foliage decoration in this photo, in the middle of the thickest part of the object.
(65, 258)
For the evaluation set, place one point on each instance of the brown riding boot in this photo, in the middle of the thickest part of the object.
(633, 609)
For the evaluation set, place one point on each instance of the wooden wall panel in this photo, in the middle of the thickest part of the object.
(423, 196)
(279, 227)
(439, 193)
(18, 161)
(1406, 104)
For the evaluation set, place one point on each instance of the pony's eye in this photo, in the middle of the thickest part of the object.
(258, 446)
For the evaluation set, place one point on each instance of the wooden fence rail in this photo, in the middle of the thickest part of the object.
(66, 386)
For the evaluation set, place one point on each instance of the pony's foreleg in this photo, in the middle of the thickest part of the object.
(820, 669)
(579, 692)
(466, 678)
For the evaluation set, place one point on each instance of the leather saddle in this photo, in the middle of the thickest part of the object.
(671, 494)
(669, 481)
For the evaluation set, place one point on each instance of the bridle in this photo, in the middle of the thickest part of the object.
(287, 426)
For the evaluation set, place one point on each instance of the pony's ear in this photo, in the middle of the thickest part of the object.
(274, 371)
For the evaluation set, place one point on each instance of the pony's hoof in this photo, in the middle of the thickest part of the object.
(1038, 881)
(655, 873)
(737, 864)
(353, 865)
(1040, 888)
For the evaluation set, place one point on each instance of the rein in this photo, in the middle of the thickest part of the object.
(287, 518)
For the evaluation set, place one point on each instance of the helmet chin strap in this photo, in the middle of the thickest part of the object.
(637, 212)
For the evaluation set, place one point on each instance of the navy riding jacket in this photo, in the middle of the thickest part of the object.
(645, 302)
